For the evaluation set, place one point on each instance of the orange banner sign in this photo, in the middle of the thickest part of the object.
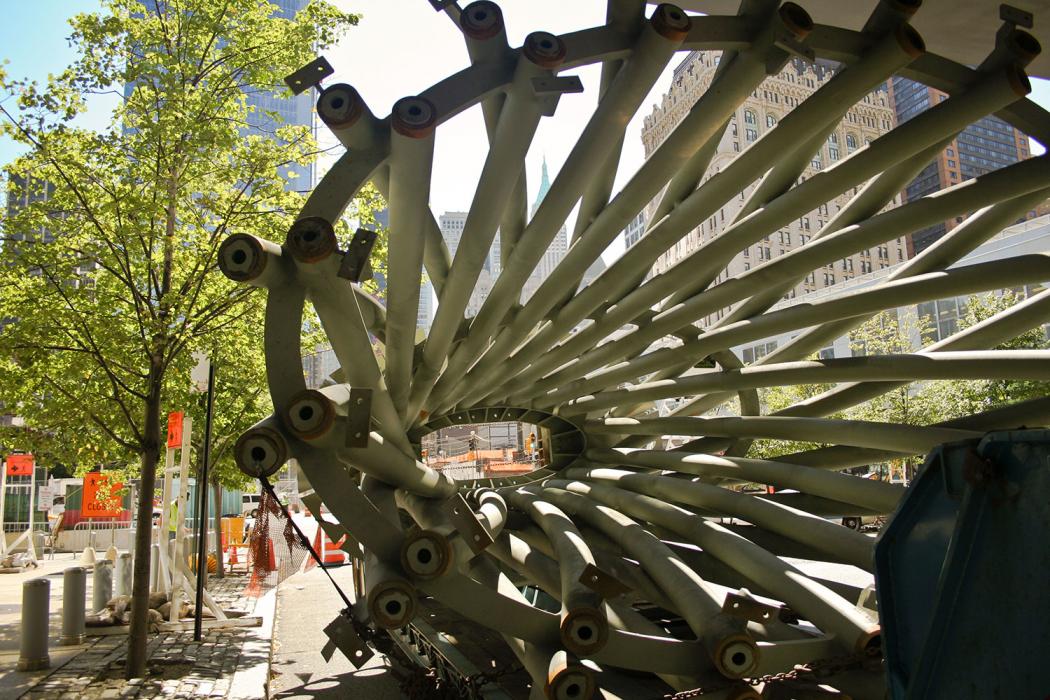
(175, 429)
(101, 498)
(20, 465)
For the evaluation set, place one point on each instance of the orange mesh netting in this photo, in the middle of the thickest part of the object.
(275, 548)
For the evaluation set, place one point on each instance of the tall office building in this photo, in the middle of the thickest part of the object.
(986, 145)
(760, 112)
(555, 251)
(451, 224)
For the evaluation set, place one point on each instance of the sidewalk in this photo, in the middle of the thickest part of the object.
(228, 663)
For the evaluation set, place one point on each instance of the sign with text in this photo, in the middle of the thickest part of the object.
(175, 429)
(101, 496)
(20, 465)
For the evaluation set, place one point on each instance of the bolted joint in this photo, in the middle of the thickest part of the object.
(260, 452)
(310, 415)
(670, 22)
(243, 258)
(392, 604)
(584, 631)
(481, 20)
(414, 117)
(544, 49)
(311, 239)
(340, 106)
(426, 554)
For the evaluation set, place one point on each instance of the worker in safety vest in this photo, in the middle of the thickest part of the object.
(529, 442)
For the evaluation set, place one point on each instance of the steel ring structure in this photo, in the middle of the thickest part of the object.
(614, 525)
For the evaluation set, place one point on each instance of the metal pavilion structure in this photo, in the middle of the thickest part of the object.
(613, 526)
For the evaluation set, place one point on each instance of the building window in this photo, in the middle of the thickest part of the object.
(833, 152)
(817, 162)
(851, 143)
(749, 117)
(771, 121)
(750, 134)
(951, 163)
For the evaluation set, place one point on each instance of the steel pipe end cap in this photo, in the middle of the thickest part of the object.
(340, 106)
(260, 452)
(584, 631)
(311, 239)
(481, 20)
(671, 22)
(414, 117)
(392, 604)
(426, 554)
(569, 681)
(736, 656)
(795, 19)
(910, 40)
(544, 49)
(310, 414)
(871, 642)
(242, 257)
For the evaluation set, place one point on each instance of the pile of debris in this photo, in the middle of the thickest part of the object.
(118, 611)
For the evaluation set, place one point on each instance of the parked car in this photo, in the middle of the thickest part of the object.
(250, 505)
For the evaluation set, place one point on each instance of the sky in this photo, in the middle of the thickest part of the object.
(400, 48)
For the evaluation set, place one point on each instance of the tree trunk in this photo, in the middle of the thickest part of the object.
(137, 640)
(217, 500)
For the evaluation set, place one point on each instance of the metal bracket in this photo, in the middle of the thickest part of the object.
(355, 266)
(604, 584)
(467, 524)
(343, 635)
(744, 606)
(1016, 16)
(309, 76)
(550, 88)
(358, 417)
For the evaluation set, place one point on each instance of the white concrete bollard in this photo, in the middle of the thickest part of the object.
(88, 556)
(74, 599)
(122, 575)
(101, 585)
(36, 604)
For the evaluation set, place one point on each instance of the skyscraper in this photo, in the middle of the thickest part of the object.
(986, 145)
(775, 97)
(555, 251)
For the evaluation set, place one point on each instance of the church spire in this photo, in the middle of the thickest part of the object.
(545, 184)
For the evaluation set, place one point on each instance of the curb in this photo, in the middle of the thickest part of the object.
(253, 682)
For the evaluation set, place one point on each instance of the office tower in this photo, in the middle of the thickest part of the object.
(986, 145)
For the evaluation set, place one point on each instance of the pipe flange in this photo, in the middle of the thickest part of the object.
(242, 258)
(584, 631)
(260, 452)
(570, 681)
(671, 22)
(544, 49)
(340, 106)
(481, 20)
(311, 239)
(414, 117)
(392, 604)
(310, 414)
(426, 555)
(736, 656)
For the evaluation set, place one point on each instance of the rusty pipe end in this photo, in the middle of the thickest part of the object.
(670, 21)
(242, 257)
(310, 414)
(736, 656)
(584, 631)
(870, 643)
(569, 680)
(481, 20)
(260, 452)
(910, 40)
(795, 19)
(392, 604)
(544, 49)
(311, 239)
(1023, 46)
(340, 106)
(414, 117)
(426, 554)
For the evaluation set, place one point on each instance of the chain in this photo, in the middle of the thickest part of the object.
(814, 671)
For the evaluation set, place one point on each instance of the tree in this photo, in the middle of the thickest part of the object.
(109, 313)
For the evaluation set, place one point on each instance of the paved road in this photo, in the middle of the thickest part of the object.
(306, 603)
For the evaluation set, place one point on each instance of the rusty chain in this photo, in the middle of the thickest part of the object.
(814, 671)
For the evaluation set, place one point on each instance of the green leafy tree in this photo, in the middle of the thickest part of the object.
(110, 312)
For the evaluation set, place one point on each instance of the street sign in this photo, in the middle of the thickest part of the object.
(99, 499)
(175, 429)
(199, 373)
(20, 465)
(46, 497)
